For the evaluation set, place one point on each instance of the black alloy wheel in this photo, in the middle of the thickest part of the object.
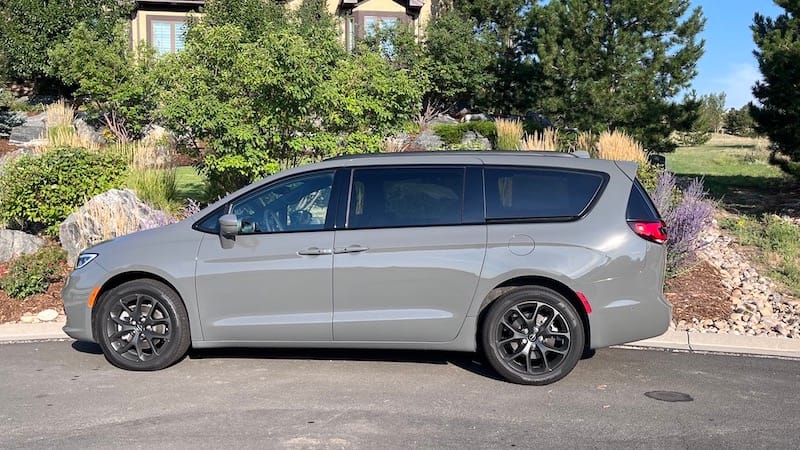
(533, 335)
(142, 325)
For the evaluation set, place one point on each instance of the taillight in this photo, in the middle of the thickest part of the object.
(652, 231)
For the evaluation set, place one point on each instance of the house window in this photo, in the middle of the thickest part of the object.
(167, 35)
(374, 23)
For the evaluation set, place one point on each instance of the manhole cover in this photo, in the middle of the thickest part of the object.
(669, 396)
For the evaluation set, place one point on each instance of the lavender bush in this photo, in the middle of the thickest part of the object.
(686, 212)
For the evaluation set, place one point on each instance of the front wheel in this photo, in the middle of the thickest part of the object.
(532, 335)
(142, 325)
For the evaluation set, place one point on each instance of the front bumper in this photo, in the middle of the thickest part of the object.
(75, 295)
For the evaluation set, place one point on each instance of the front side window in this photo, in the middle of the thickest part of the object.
(297, 204)
(539, 193)
(404, 197)
(168, 36)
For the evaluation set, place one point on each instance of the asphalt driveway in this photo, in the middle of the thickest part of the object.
(56, 394)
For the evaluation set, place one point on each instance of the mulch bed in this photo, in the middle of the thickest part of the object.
(699, 294)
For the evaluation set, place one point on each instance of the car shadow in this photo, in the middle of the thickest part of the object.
(87, 347)
(471, 362)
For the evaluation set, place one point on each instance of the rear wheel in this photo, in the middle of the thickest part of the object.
(532, 335)
(142, 325)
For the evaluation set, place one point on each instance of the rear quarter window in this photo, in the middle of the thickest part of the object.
(514, 193)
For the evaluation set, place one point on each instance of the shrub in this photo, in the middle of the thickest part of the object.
(686, 214)
(509, 134)
(451, 134)
(38, 192)
(485, 128)
(32, 274)
(620, 146)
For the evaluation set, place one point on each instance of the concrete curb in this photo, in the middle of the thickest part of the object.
(722, 343)
(671, 340)
(13, 332)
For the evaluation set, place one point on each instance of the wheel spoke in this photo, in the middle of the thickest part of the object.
(152, 345)
(121, 323)
(550, 348)
(522, 316)
(127, 310)
(546, 325)
(506, 341)
(120, 333)
(158, 336)
(544, 357)
(525, 349)
(138, 306)
(138, 345)
(128, 345)
(159, 322)
(153, 305)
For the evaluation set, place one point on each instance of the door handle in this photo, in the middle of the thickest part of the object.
(350, 249)
(314, 251)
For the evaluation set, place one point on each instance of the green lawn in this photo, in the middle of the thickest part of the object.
(735, 171)
(190, 184)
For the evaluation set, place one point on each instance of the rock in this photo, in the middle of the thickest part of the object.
(32, 133)
(16, 243)
(47, 315)
(86, 132)
(782, 329)
(106, 216)
(27, 318)
(442, 119)
(428, 140)
(475, 141)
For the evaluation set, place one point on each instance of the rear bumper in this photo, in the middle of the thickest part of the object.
(624, 321)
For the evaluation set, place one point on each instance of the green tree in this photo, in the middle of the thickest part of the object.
(603, 64)
(452, 61)
(119, 84)
(270, 95)
(707, 115)
(778, 42)
(31, 27)
(739, 122)
(501, 25)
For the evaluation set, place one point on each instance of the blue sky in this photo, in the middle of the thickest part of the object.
(728, 64)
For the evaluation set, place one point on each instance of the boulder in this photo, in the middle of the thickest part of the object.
(475, 141)
(16, 243)
(106, 216)
(428, 140)
(86, 132)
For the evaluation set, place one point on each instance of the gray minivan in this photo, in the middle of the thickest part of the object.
(533, 258)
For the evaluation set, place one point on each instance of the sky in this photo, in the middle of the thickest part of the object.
(728, 64)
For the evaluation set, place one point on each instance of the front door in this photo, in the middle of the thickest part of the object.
(274, 283)
(406, 265)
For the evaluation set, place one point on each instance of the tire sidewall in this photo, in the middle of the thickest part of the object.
(179, 325)
(542, 295)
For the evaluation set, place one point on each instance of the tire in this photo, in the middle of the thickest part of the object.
(532, 335)
(157, 339)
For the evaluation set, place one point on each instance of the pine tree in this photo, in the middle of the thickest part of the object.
(614, 64)
(778, 42)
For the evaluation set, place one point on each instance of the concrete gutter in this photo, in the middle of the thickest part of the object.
(15, 332)
(671, 340)
(722, 343)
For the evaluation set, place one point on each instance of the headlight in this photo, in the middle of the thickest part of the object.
(84, 259)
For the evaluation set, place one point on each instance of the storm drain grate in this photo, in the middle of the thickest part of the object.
(669, 396)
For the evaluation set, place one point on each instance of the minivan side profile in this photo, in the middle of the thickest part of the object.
(530, 258)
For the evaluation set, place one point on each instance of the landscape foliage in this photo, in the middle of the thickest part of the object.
(38, 192)
(32, 274)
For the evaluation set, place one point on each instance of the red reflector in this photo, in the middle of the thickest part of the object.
(652, 231)
(585, 302)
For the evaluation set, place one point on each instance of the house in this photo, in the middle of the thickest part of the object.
(162, 24)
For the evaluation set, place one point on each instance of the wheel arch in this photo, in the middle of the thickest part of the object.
(124, 277)
(535, 280)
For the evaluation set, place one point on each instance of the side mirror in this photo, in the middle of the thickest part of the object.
(228, 229)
